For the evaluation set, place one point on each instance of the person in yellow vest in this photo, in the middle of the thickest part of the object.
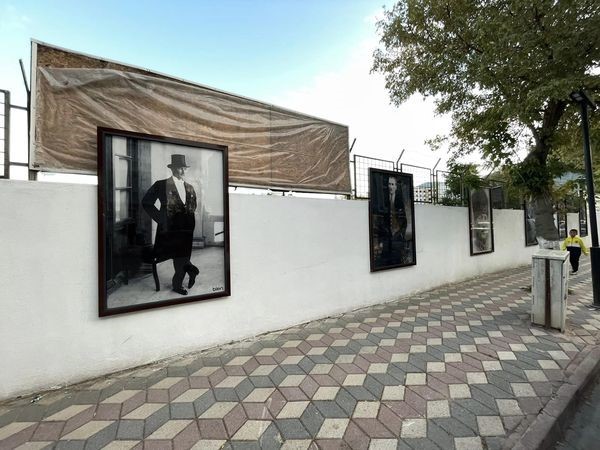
(575, 246)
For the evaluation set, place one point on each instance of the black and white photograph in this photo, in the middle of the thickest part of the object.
(481, 229)
(583, 222)
(391, 219)
(163, 221)
(561, 223)
(530, 234)
(497, 197)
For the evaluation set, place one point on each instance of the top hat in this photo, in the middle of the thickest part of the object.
(177, 161)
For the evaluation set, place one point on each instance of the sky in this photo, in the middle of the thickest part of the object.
(312, 56)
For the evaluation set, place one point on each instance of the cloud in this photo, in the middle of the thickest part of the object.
(11, 19)
(353, 96)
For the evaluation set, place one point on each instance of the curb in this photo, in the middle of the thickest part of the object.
(553, 420)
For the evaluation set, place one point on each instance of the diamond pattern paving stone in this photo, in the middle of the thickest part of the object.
(259, 395)
(144, 411)
(122, 445)
(393, 393)
(252, 430)
(416, 379)
(170, 429)
(88, 430)
(209, 444)
(366, 410)
(490, 426)
(459, 391)
(326, 393)
(468, 443)
(332, 428)
(218, 410)
(293, 410)
(297, 444)
(414, 428)
(459, 366)
(509, 407)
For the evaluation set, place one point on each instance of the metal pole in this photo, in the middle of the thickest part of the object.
(399, 158)
(32, 173)
(594, 250)
(355, 185)
(6, 134)
(548, 296)
(587, 155)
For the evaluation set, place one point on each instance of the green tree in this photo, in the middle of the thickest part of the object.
(503, 70)
(460, 179)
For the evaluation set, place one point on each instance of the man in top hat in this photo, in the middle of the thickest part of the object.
(176, 222)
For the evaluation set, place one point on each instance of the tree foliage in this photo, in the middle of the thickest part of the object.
(503, 70)
(460, 179)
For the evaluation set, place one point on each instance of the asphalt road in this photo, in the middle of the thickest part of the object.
(584, 432)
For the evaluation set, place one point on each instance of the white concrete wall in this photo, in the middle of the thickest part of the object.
(292, 260)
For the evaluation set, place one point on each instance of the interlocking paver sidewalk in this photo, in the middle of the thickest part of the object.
(456, 367)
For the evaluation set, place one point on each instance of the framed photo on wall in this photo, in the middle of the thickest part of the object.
(163, 221)
(497, 197)
(583, 221)
(561, 221)
(530, 233)
(481, 224)
(391, 219)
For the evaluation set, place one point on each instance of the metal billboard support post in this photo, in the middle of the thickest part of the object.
(6, 126)
(584, 102)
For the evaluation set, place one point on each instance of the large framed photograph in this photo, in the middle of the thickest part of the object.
(391, 219)
(530, 233)
(481, 223)
(163, 221)
(583, 221)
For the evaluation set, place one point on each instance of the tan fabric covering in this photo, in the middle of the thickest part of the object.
(268, 146)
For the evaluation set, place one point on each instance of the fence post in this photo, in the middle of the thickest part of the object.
(355, 185)
(398, 160)
(6, 126)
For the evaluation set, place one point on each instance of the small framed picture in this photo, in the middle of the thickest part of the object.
(561, 222)
(481, 229)
(530, 233)
(163, 221)
(391, 219)
(583, 220)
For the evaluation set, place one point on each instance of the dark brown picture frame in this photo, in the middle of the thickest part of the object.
(529, 224)
(392, 242)
(480, 204)
(132, 179)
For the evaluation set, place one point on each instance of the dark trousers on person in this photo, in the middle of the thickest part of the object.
(574, 254)
(182, 266)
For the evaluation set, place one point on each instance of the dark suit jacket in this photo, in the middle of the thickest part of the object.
(175, 220)
(387, 215)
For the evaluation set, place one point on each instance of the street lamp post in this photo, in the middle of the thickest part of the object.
(586, 102)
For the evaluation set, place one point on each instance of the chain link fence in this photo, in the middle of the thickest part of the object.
(432, 186)
(422, 182)
(362, 164)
